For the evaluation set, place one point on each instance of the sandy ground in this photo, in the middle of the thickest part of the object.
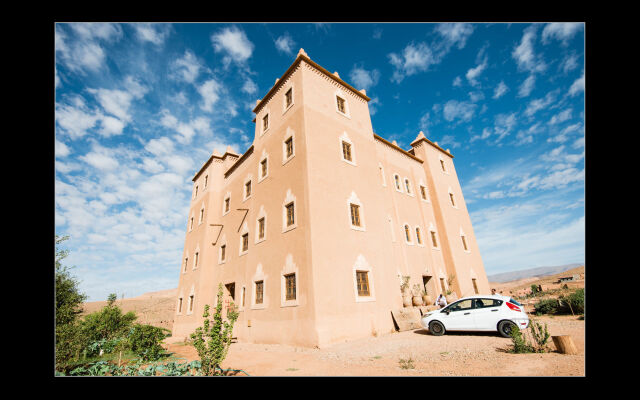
(454, 354)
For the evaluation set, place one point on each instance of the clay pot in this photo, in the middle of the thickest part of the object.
(406, 300)
(417, 300)
(427, 300)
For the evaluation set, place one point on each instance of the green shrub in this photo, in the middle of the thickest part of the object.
(144, 341)
(576, 300)
(540, 336)
(547, 306)
(212, 341)
(520, 344)
(108, 323)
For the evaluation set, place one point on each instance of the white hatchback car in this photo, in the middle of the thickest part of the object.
(478, 313)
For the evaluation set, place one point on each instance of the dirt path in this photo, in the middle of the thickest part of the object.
(454, 354)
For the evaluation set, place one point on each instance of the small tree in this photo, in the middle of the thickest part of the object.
(68, 308)
(540, 336)
(212, 341)
(144, 341)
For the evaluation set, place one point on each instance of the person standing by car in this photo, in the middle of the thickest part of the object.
(441, 301)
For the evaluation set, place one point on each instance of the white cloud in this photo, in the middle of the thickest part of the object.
(91, 30)
(111, 126)
(234, 43)
(473, 73)
(527, 86)
(249, 86)
(187, 68)
(462, 110)
(285, 44)
(561, 117)
(210, 92)
(414, 59)
(569, 63)
(457, 81)
(577, 86)
(560, 31)
(538, 104)
(500, 90)
(374, 103)
(61, 149)
(154, 33)
(100, 160)
(76, 119)
(457, 33)
(364, 79)
(476, 96)
(524, 53)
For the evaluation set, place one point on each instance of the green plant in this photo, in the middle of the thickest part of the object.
(69, 341)
(144, 341)
(406, 364)
(576, 301)
(212, 341)
(547, 306)
(108, 323)
(519, 342)
(540, 336)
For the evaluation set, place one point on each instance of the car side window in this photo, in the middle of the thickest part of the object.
(461, 305)
(484, 303)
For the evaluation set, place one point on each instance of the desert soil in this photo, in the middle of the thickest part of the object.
(454, 354)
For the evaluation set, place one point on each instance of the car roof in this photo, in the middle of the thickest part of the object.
(485, 296)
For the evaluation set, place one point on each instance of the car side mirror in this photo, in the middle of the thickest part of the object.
(447, 311)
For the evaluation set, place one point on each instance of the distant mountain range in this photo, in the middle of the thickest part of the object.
(529, 273)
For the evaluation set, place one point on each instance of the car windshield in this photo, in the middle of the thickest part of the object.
(511, 300)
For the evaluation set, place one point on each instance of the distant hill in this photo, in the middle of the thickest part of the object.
(528, 273)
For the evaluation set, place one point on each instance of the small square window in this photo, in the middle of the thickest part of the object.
(288, 97)
(191, 303)
(289, 146)
(290, 214)
(223, 252)
(261, 228)
(227, 203)
(346, 151)
(263, 167)
(265, 122)
(245, 242)
(290, 281)
(259, 292)
(341, 107)
(355, 215)
(433, 239)
(247, 190)
(363, 283)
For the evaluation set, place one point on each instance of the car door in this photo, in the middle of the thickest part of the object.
(460, 316)
(486, 314)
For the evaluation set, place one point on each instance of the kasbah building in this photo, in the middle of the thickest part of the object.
(312, 228)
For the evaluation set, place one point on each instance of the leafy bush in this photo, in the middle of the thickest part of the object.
(547, 306)
(144, 340)
(108, 323)
(520, 344)
(212, 341)
(576, 300)
(540, 336)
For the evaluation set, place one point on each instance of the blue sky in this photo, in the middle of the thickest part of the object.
(140, 107)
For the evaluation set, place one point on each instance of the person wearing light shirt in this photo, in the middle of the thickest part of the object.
(441, 301)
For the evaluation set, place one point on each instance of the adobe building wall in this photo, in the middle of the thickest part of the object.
(323, 249)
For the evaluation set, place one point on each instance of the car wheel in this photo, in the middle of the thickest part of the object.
(505, 328)
(436, 328)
